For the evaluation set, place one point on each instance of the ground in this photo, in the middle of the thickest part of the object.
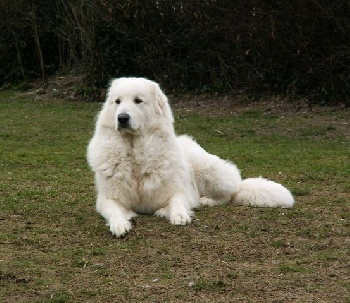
(54, 247)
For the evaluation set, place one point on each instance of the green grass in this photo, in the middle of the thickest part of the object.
(54, 247)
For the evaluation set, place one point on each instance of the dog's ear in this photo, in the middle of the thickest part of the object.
(161, 103)
(161, 99)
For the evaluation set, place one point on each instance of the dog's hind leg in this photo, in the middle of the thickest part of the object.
(214, 201)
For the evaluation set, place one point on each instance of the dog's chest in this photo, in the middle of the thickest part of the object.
(139, 177)
(144, 173)
(145, 181)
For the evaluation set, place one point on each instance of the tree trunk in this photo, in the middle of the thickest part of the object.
(38, 45)
(19, 57)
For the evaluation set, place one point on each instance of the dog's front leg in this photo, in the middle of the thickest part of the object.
(117, 216)
(177, 211)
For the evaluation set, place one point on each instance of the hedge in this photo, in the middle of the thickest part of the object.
(298, 48)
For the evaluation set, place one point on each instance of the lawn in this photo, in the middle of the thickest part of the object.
(54, 247)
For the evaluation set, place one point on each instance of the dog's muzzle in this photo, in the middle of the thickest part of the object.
(123, 120)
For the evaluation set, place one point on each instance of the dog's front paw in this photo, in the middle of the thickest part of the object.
(119, 227)
(162, 212)
(180, 218)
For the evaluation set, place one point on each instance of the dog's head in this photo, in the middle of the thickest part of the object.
(134, 104)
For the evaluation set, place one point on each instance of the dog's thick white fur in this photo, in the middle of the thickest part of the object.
(141, 166)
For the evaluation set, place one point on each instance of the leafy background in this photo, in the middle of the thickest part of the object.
(298, 48)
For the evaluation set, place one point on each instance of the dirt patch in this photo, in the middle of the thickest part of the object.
(63, 86)
(69, 86)
(230, 104)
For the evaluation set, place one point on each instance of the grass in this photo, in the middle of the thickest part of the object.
(54, 247)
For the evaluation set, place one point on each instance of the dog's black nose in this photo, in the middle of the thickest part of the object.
(123, 119)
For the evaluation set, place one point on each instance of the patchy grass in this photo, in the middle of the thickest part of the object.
(55, 248)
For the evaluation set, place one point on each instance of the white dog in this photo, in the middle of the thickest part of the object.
(141, 166)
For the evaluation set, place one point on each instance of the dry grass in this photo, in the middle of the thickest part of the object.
(55, 248)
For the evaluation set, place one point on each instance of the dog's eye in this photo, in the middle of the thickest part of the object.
(138, 100)
(117, 101)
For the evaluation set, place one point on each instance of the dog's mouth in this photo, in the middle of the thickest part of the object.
(122, 126)
(126, 128)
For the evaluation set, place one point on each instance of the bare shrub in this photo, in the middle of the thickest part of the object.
(300, 48)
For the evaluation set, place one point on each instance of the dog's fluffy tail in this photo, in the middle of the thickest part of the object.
(263, 193)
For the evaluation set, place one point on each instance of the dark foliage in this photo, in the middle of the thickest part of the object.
(300, 48)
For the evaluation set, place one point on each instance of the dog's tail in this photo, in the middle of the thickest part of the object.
(263, 193)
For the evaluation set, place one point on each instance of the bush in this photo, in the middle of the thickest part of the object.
(298, 48)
